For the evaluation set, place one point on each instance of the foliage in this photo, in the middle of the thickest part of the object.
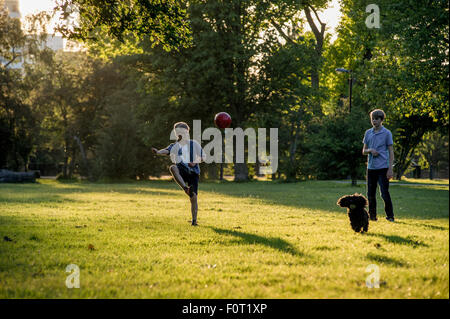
(399, 67)
(18, 127)
(252, 59)
(286, 101)
(161, 22)
(335, 146)
(116, 147)
(62, 100)
(433, 152)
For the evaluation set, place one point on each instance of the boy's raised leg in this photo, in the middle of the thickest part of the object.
(178, 179)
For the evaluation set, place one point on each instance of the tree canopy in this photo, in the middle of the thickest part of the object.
(161, 22)
(149, 64)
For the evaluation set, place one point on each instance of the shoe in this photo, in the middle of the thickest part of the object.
(374, 218)
(391, 219)
(194, 224)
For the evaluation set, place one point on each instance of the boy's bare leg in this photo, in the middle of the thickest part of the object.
(176, 175)
(194, 209)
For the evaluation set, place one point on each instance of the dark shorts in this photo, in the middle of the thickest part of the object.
(191, 179)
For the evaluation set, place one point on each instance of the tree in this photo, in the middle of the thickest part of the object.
(17, 119)
(232, 42)
(119, 150)
(334, 147)
(218, 72)
(288, 13)
(161, 22)
(60, 96)
(433, 149)
(285, 99)
(117, 147)
(223, 70)
(399, 67)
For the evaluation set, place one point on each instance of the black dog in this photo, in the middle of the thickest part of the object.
(359, 217)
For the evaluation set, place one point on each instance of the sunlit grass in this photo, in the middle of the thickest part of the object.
(424, 181)
(255, 240)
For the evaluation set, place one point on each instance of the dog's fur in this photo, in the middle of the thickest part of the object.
(359, 217)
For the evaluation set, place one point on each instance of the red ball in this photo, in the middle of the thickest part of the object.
(222, 120)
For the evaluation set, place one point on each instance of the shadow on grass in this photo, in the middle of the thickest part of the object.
(434, 227)
(41, 193)
(385, 260)
(415, 203)
(38, 199)
(309, 195)
(252, 239)
(399, 240)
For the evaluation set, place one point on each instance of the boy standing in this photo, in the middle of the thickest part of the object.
(186, 154)
(378, 144)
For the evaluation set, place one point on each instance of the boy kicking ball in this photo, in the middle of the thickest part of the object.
(186, 154)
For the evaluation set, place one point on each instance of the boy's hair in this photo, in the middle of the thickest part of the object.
(182, 125)
(378, 114)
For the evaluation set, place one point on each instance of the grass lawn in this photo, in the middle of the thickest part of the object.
(255, 240)
(423, 181)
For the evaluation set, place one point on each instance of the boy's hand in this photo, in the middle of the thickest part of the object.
(191, 164)
(390, 173)
(374, 152)
(154, 150)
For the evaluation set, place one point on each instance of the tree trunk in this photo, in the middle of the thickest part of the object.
(354, 180)
(66, 160)
(86, 167)
(257, 166)
(211, 171)
(71, 166)
(319, 34)
(239, 95)
(240, 172)
(291, 173)
(295, 133)
(315, 79)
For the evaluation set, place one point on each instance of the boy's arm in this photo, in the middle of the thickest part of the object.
(367, 150)
(390, 172)
(160, 152)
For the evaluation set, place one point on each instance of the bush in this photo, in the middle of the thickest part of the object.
(336, 146)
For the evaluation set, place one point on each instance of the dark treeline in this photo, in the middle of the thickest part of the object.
(96, 113)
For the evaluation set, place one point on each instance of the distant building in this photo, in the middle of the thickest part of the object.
(52, 42)
(13, 8)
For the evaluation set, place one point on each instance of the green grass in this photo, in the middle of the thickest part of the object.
(423, 181)
(255, 240)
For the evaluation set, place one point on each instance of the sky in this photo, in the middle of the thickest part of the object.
(27, 7)
(329, 16)
(33, 6)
